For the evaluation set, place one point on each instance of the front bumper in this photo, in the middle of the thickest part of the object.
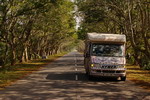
(108, 72)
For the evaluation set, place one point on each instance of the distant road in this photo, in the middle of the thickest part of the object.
(65, 79)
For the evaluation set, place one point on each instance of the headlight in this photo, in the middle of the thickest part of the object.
(94, 65)
(121, 66)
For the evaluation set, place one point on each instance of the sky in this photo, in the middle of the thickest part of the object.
(77, 18)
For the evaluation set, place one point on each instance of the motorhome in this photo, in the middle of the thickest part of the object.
(104, 55)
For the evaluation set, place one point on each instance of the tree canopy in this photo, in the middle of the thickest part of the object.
(30, 29)
(129, 17)
(33, 28)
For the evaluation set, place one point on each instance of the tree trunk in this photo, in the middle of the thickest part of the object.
(22, 59)
(13, 55)
(6, 54)
(26, 54)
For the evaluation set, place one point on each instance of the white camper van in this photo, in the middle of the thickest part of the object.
(104, 55)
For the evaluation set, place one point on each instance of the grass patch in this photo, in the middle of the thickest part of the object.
(139, 76)
(13, 73)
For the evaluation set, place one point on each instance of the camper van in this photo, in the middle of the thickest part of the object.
(104, 55)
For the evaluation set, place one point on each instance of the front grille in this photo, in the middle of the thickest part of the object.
(108, 66)
(105, 71)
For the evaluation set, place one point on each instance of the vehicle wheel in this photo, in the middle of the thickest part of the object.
(90, 77)
(116, 78)
(123, 78)
(86, 73)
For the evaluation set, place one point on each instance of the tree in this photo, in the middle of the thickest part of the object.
(34, 27)
(121, 17)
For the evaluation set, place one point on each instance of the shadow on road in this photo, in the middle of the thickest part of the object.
(101, 88)
(60, 81)
(71, 76)
(61, 76)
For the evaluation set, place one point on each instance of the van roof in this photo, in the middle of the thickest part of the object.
(106, 37)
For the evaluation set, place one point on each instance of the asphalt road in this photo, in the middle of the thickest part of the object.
(65, 79)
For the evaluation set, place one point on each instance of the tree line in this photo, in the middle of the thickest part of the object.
(30, 29)
(129, 17)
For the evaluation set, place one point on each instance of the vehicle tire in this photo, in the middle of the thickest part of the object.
(116, 78)
(90, 77)
(123, 78)
(86, 73)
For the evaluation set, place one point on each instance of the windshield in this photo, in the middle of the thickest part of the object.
(110, 50)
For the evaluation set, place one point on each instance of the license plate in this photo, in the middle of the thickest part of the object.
(108, 74)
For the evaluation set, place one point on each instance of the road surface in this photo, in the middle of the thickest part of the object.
(65, 79)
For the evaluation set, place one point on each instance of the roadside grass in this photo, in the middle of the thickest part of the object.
(139, 76)
(10, 74)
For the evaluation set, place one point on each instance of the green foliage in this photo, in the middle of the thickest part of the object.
(33, 28)
(81, 46)
(10, 74)
(93, 13)
(120, 17)
(2, 51)
(146, 63)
